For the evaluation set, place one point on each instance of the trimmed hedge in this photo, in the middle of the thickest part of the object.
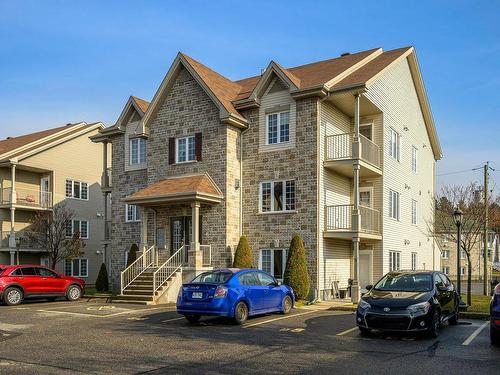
(296, 275)
(132, 254)
(243, 254)
(102, 284)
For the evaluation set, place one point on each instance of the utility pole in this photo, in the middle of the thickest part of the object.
(486, 284)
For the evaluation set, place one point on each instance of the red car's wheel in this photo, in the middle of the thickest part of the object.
(13, 296)
(73, 293)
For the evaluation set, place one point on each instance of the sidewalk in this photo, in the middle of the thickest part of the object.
(336, 305)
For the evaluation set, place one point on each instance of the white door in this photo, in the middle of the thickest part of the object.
(44, 192)
(365, 269)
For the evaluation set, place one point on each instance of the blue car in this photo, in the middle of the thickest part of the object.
(233, 293)
(495, 316)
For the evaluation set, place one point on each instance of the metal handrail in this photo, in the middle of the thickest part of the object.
(167, 269)
(129, 274)
(339, 146)
(370, 219)
(339, 218)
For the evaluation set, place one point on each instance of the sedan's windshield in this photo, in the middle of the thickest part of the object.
(419, 282)
(213, 277)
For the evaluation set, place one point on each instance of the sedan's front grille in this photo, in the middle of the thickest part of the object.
(387, 322)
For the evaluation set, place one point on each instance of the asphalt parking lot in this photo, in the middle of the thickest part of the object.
(95, 337)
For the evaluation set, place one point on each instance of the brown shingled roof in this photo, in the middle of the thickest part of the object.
(224, 89)
(372, 68)
(175, 187)
(12, 143)
(141, 103)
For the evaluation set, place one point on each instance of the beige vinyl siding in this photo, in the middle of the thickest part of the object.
(269, 101)
(395, 95)
(335, 256)
(77, 159)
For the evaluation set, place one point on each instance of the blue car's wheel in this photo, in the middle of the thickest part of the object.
(193, 318)
(240, 313)
(287, 304)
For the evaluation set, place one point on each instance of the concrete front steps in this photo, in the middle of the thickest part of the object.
(140, 291)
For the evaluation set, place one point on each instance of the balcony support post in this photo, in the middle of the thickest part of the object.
(355, 276)
(144, 229)
(195, 256)
(356, 154)
(12, 258)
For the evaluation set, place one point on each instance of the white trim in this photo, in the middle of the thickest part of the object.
(284, 256)
(187, 138)
(365, 125)
(369, 189)
(414, 262)
(392, 194)
(79, 267)
(278, 125)
(395, 142)
(397, 255)
(135, 213)
(141, 143)
(73, 189)
(414, 159)
(272, 210)
(414, 212)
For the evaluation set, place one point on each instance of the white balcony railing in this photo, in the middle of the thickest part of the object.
(340, 146)
(27, 197)
(339, 218)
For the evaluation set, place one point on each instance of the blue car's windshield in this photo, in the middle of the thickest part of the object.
(213, 277)
(405, 283)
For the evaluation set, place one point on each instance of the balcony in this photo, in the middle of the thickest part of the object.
(339, 222)
(106, 179)
(341, 151)
(26, 243)
(30, 199)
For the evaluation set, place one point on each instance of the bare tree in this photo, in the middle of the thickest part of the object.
(48, 230)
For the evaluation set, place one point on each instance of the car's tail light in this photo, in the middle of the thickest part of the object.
(496, 322)
(220, 292)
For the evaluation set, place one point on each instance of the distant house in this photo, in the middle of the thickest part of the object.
(340, 151)
(448, 247)
(41, 170)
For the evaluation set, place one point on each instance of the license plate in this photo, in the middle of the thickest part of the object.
(197, 295)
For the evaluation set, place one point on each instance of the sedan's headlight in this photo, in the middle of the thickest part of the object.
(422, 307)
(364, 305)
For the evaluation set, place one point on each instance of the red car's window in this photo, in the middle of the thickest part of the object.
(16, 272)
(1, 270)
(44, 272)
(29, 271)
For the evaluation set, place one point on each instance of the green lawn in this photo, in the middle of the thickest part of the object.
(480, 303)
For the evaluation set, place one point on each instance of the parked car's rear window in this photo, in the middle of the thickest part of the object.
(213, 277)
(419, 282)
(1, 270)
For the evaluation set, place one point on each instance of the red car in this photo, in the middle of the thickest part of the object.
(34, 281)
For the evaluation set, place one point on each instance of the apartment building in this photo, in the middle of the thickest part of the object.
(448, 247)
(41, 170)
(341, 151)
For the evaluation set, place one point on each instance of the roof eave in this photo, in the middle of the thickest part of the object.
(175, 198)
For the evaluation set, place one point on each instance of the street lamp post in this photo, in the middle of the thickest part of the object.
(457, 217)
(18, 246)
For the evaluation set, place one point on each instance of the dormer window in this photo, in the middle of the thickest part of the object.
(278, 128)
(137, 151)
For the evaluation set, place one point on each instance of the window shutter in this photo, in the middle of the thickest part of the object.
(171, 150)
(198, 145)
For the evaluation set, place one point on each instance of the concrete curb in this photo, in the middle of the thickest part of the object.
(475, 315)
(343, 308)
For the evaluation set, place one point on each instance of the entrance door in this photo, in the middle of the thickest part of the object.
(365, 268)
(44, 192)
(181, 232)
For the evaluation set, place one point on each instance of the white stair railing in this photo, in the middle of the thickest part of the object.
(129, 274)
(167, 269)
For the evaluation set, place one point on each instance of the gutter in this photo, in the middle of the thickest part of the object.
(241, 179)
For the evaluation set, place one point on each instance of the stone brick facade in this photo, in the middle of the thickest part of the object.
(299, 164)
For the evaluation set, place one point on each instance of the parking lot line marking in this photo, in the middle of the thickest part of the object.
(280, 318)
(475, 334)
(171, 320)
(72, 313)
(347, 331)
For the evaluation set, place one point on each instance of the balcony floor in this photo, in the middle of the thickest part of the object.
(26, 207)
(344, 168)
(349, 235)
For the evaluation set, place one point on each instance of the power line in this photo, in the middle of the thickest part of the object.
(456, 172)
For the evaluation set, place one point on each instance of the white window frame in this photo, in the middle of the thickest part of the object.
(81, 189)
(414, 159)
(367, 125)
(79, 267)
(463, 255)
(141, 151)
(284, 196)
(394, 213)
(446, 270)
(284, 259)
(79, 229)
(368, 189)
(414, 211)
(135, 211)
(394, 260)
(395, 145)
(463, 271)
(445, 254)
(446, 236)
(414, 261)
(279, 127)
(177, 149)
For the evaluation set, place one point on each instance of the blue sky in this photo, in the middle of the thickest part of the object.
(64, 61)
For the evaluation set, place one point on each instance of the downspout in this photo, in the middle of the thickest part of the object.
(241, 179)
